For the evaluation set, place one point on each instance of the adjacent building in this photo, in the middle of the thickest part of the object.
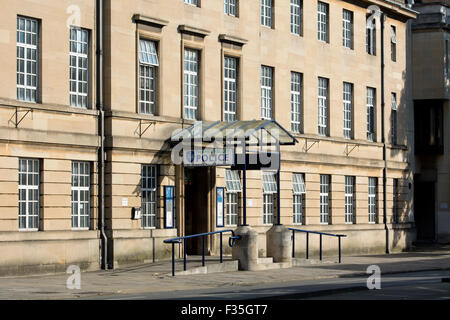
(431, 93)
(82, 77)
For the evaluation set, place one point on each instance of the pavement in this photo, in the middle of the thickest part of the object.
(156, 277)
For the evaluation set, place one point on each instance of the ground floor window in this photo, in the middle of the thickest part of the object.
(233, 187)
(80, 194)
(269, 191)
(298, 198)
(28, 194)
(324, 199)
(372, 200)
(349, 199)
(148, 196)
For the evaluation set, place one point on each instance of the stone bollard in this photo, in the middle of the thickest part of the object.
(246, 248)
(279, 244)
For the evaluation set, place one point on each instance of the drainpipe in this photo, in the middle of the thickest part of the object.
(383, 138)
(101, 126)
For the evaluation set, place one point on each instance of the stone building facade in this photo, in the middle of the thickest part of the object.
(313, 66)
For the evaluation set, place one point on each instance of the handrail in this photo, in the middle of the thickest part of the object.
(339, 236)
(173, 241)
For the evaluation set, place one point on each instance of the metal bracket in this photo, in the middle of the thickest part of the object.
(15, 120)
(147, 123)
(306, 148)
(347, 151)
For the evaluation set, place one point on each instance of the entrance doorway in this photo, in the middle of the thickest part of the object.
(424, 213)
(197, 190)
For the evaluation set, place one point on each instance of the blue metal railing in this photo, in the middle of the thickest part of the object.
(339, 236)
(174, 241)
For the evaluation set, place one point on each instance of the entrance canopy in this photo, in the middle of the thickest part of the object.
(254, 132)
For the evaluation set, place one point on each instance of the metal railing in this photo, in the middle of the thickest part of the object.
(174, 241)
(339, 236)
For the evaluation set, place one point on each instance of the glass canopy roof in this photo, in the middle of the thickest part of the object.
(255, 132)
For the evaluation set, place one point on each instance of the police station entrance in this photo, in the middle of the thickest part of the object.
(198, 185)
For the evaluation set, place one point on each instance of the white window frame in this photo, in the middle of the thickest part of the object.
(233, 188)
(230, 7)
(269, 191)
(79, 66)
(296, 17)
(325, 181)
(27, 58)
(371, 36)
(191, 83)
(149, 196)
(372, 200)
(350, 199)
(323, 106)
(393, 43)
(192, 2)
(230, 88)
(266, 93)
(148, 72)
(347, 28)
(267, 13)
(298, 198)
(29, 194)
(296, 102)
(348, 110)
(394, 118)
(81, 185)
(322, 21)
(371, 114)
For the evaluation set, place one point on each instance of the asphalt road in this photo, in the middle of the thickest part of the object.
(414, 285)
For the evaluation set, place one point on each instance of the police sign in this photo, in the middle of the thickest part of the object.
(208, 157)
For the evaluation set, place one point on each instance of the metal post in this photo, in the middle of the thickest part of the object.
(184, 254)
(320, 247)
(173, 259)
(221, 251)
(293, 243)
(203, 253)
(339, 249)
(244, 180)
(307, 245)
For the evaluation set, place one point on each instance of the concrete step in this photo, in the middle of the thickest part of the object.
(265, 260)
(272, 265)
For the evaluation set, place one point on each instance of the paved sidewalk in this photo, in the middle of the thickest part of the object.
(156, 278)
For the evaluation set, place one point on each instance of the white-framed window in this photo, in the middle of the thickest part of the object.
(27, 59)
(322, 21)
(371, 36)
(296, 102)
(395, 201)
(325, 199)
(191, 83)
(298, 198)
(29, 194)
(79, 67)
(230, 72)
(269, 191)
(394, 119)
(373, 200)
(266, 13)
(81, 196)
(323, 106)
(229, 7)
(266, 92)
(233, 188)
(347, 28)
(349, 199)
(393, 43)
(296, 17)
(192, 2)
(148, 196)
(348, 110)
(148, 70)
(371, 114)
